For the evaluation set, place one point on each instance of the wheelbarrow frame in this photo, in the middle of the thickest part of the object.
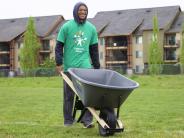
(77, 105)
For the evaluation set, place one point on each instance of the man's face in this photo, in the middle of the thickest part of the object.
(82, 12)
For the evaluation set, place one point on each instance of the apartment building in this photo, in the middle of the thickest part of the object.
(125, 36)
(11, 39)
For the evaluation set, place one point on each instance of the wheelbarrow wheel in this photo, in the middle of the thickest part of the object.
(109, 117)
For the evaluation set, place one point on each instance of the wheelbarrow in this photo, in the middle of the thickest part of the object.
(100, 91)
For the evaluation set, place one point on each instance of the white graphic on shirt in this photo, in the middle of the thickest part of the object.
(79, 38)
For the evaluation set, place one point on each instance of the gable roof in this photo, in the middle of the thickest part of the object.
(99, 24)
(176, 27)
(125, 22)
(56, 31)
(11, 28)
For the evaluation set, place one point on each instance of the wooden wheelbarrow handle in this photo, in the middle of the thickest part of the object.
(69, 82)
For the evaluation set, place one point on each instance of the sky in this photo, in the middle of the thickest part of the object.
(25, 8)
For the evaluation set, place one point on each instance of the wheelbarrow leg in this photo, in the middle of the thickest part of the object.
(119, 123)
(82, 114)
(108, 115)
(119, 100)
(77, 106)
(74, 108)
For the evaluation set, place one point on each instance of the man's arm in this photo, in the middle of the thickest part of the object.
(59, 56)
(93, 50)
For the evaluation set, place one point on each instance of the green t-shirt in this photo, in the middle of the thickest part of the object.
(77, 38)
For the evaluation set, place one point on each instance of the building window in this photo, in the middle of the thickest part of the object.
(138, 69)
(45, 56)
(4, 59)
(138, 39)
(20, 45)
(46, 45)
(170, 54)
(102, 41)
(171, 39)
(139, 54)
(4, 47)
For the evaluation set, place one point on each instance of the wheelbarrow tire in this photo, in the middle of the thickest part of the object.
(109, 117)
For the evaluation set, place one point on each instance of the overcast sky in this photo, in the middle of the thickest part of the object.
(26, 8)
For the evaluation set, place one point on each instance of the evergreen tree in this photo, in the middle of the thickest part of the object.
(155, 55)
(182, 51)
(29, 54)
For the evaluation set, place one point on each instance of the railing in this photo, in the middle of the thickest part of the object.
(116, 47)
(166, 69)
(117, 44)
(171, 46)
(45, 49)
(39, 72)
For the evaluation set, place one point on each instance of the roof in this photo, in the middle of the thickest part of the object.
(11, 28)
(56, 31)
(176, 27)
(99, 24)
(125, 22)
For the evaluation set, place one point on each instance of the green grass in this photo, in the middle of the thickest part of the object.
(32, 108)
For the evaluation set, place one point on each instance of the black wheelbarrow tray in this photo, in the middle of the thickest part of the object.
(103, 90)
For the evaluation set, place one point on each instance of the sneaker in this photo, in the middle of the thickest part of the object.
(88, 125)
(68, 124)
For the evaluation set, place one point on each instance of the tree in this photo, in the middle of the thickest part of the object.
(29, 53)
(182, 51)
(155, 55)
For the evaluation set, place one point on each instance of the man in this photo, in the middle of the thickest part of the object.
(79, 40)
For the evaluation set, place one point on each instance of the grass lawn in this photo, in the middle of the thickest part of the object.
(32, 108)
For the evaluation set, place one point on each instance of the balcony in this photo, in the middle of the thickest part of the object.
(116, 55)
(117, 44)
(4, 65)
(171, 42)
(4, 49)
(171, 46)
(45, 49)
(116, 62)
(4, 59)
(117, 41)
(116, 47)
(170, 56)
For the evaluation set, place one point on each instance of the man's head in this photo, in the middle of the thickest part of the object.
(80, 12)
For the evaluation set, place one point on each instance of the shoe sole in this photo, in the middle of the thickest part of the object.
(90, 126)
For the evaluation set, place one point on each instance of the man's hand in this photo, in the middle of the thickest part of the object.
(59, 69)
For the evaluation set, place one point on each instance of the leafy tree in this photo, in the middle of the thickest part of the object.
(155, 55)
(182, 51)
(29, 53)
